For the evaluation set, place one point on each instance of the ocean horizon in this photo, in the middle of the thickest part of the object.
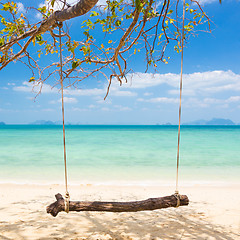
(119, 154)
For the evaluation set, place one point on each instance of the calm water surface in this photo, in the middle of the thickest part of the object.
(127, 154)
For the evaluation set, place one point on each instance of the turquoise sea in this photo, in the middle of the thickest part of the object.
(119, 154)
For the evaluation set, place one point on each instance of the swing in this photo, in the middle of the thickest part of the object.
(174, 200)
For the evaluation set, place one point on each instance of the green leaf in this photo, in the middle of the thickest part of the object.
(138, 4)
(43, 9)
(74, 64)
(94, 13)
(2, 41)
(118, 23)
(39, 38)
(52, 2)
(32, 79)
(41, 43)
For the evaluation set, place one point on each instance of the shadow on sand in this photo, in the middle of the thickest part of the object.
(181, 223)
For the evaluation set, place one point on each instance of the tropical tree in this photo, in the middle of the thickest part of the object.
(110, 33)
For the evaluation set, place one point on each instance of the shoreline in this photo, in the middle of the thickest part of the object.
(182, 184)
(123, 176)
(127, 183)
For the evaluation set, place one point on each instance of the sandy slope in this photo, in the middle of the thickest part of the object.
(214, 213)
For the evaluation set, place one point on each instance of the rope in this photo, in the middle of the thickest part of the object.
(180, 102)
(177, 196)
(67, 196)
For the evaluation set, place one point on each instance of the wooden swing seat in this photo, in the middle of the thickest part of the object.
(134, 206)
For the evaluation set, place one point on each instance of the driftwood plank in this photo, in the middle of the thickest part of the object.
(135, 206)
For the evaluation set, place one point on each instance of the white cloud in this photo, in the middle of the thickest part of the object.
(102, 101)
(193, 84)
(76, 109)
(147, 94)
(145, 80)
(68, 100)
(122, 108)
(9, 110)
(195, 103)
(91, 106)
(234, 99)
(21, 7)
(53, 102)
(207, 102)
(159, 100)
(222, 101)
(29, 87)
(85, 92)
(105, 109)
(115, 90)
(200, 86)
(207, 1)
(46, 88)
(102, 3)
(48, 110)
(213, 101)
(186, 92)
(26, 87)
(122, 93)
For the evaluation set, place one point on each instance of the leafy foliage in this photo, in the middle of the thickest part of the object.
(123, 28)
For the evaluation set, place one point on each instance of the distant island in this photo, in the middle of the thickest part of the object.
(167, 124)
(47, 122)
(2, 123)
(42, 122)
(214, 121)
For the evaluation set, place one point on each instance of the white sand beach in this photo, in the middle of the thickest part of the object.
(213, 213)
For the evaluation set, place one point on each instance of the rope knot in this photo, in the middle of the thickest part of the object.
(177, 196)
(67, 201)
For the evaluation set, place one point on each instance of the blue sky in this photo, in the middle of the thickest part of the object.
(211, 84)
